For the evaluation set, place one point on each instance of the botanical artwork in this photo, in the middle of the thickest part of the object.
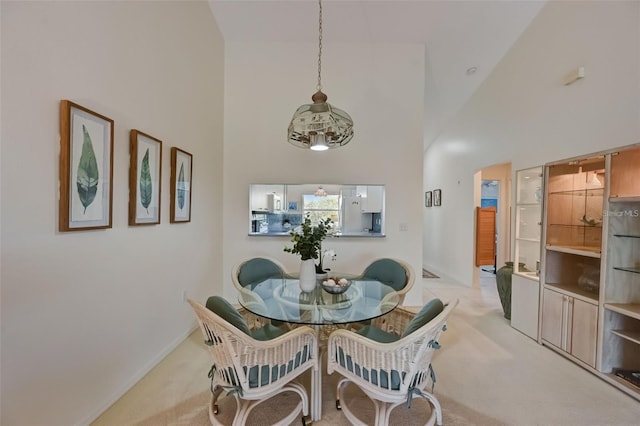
(181, 168)
(144, 179)
(427, 199)
(88, 175)
(437, 197)
(86, 165)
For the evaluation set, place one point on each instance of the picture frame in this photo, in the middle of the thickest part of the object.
(181, 186)
(145, 178)
(427, 199)
(86, 169)
(437, 197)
(293, 206)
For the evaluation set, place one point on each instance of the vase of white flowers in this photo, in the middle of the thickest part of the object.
(307, 242)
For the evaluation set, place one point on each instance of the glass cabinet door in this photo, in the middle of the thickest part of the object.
(528, 221)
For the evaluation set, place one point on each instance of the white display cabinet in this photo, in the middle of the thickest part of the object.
(525, 283)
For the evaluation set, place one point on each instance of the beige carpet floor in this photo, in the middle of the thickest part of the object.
(487, 374)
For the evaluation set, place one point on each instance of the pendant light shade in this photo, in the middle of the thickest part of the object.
(320, 192)
(320, 126)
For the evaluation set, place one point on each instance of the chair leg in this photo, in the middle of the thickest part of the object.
(383, 412)
(217, 390)
(345, 408)
(246, 406)
(437, 409)
(341, 383)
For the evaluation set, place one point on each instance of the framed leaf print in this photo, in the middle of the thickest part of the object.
(181, 167)
(86, 169)
(427, 199)
(145, 176)
(437, 197)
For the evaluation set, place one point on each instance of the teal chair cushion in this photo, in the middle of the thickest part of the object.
(375, 377)
(378, 335)
(256, 270)
(277, 371)
(267, 332)
(388, 272)
(426, 314)
(227, 312)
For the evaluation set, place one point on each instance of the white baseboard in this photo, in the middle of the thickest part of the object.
(138, 376)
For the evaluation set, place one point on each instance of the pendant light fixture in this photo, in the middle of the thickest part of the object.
(320, 192)
(320, 126)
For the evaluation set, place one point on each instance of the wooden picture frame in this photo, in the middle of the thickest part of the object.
(437, 197)
(181, 186)
(145, 178)
(86, 169)
(427, 199)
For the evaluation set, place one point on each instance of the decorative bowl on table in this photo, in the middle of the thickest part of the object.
(335, 285)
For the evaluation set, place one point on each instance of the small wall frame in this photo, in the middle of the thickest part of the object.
(145, 179)
(427, 199)
(181, 186)
(86, 169)
(437, 197)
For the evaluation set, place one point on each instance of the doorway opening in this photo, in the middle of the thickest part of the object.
(492, 196)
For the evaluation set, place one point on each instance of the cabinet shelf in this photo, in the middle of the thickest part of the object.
(579, 250)
(531, 240)
(598, 226)
(625, 269)
(625, 383)
(626, 236)
(574, 291)
(589, 192)
(532, 204)
(628, 309)
(616, 199)
(632, 336)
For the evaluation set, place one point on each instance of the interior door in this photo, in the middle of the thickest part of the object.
(485, 236)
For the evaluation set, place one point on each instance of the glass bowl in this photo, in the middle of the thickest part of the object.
(335, 288)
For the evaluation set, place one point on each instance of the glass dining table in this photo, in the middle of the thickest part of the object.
(280, 298)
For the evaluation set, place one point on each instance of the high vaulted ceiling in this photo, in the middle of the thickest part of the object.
(457, 36)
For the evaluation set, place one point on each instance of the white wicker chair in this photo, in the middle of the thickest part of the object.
(384, 270)
(390, 374)
(255, 370)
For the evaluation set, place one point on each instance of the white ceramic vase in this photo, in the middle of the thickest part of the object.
(307, 275)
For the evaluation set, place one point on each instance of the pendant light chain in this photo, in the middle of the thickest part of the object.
(319, 87)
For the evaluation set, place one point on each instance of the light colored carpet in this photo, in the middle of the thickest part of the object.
(487, 374)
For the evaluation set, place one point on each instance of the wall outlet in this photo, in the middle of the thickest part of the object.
(404, 227)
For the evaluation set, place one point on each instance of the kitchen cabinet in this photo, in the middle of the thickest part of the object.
(266, 198)
(570, 324)
(371, 198)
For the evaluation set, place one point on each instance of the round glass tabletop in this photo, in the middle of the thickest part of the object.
(281, 299)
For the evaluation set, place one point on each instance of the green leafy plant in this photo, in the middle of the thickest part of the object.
(307, 239)
(87, 181)
(181, 189)
(145, 182)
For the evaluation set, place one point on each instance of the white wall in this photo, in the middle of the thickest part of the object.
(524, 114)
(380, 86)
(85, 314)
